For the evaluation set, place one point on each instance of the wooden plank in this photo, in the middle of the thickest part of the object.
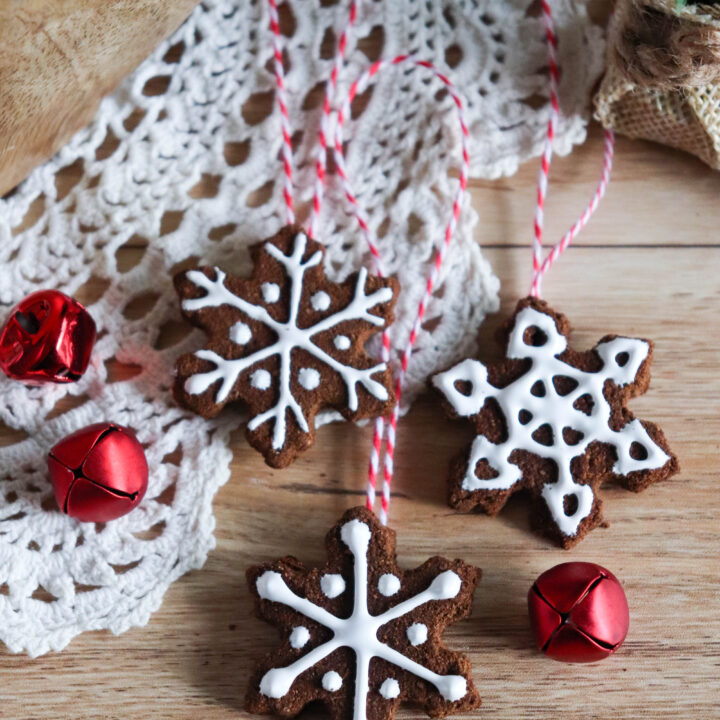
(193, 658)
(58, 60)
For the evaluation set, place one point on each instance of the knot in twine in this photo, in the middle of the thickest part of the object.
(663, 51)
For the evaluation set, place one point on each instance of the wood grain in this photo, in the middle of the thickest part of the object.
(647, 265)
(58, 58)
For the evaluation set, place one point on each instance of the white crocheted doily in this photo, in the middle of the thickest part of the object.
(59, 577)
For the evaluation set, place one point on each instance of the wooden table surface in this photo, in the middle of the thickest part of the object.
(648, 265)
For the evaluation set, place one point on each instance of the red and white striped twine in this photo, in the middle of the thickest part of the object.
(381, 427)
(540, 266)
(284, 114)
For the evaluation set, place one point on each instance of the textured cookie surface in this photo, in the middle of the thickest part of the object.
(360, 635)
(553, 421)
(286, 342)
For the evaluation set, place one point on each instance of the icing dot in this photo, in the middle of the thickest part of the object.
(417, 633)
(309, 378)
(320, 301)
(390, 688)
(240, 333)
(261, 379)
(299, 636)
(342, 342)
(388, 584)
(332, 585)
(270, 292)
(331, 681)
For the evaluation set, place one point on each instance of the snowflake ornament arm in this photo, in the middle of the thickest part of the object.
(360, 632)
(562, 414)
(286, 342)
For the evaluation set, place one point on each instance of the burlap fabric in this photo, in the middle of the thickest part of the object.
(663, 76)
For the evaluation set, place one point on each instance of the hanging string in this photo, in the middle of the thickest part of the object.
(321, 158)
(359, 86)
(281, 96)
(540, 266)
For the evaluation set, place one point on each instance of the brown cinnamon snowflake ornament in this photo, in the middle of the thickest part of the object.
(554, 421)
(286, 342)
(360, 635)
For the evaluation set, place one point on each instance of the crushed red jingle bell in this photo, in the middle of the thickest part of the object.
(48, 337)
(99, 473)
(578, 612)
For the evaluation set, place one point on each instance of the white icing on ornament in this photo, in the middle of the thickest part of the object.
(517, 403)
(289, 337)
(270, 292)
(240, 333)
(332, 681)
(342, 342)
(390, 689)
(299, 637)
(388, 584)
(320, 301)
(417, 633)
(359, 631)
(332, 585)
(261, 379)
(309, 378)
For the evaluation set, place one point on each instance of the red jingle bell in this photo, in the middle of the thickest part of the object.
(578, 612)
(48, 337)
(99, 473)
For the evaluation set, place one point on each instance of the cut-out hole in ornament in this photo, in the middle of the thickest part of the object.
(534, 336)
(544, 435)
(236, 153)
(524, 417)
(286, 20)
(570, 505)
(572, 436)
(449, 17)
(314, 96)
(622, 359)
(140, 305)
(11, 497)
(431, 324)
(80, 588)
(485, 471)
(464, 387)
(564, 384)
(129, 254)
(32, 545)
(207, 187)
(157, 85)
(585, 404)
(174, 457)
(538, 389)
(638, 451)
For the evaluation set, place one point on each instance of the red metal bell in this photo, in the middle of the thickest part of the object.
(578, 612)
(48, 337)
(99, 473)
